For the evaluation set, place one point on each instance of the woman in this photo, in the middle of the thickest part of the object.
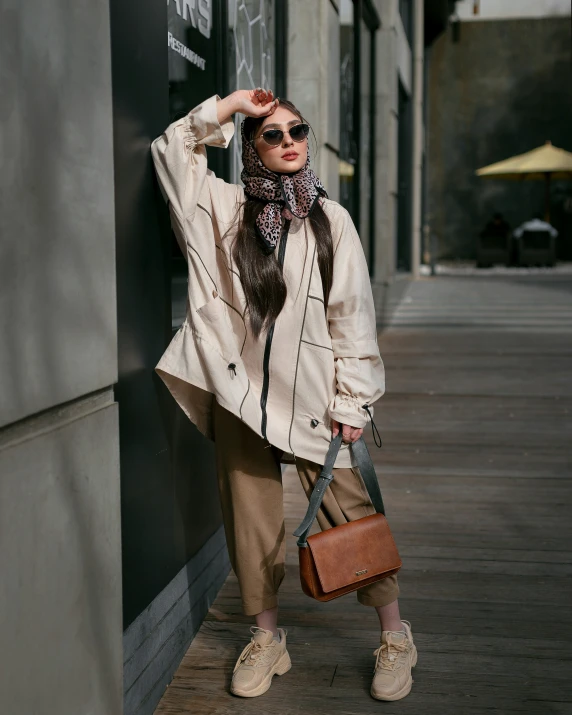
(277, 353)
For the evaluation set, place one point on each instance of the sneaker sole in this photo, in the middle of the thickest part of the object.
(281, 667)
(405, 690)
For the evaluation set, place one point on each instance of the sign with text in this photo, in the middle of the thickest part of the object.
(192, 48)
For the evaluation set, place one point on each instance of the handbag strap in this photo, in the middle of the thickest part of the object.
(367, 471)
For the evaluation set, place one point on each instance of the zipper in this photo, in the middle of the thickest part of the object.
(269, 336)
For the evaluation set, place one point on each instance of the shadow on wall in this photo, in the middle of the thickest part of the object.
(57, 249)
(59, 342)
(503, 89)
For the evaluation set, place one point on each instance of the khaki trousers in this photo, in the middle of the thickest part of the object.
(250, 486)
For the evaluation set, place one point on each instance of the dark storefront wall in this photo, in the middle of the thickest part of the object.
(501, 90)
(404, 203)
(174, 553)
(170, 507)
(404, 178)
(189, 84)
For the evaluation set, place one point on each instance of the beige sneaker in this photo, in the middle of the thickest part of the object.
(262, 658)
(396, 656)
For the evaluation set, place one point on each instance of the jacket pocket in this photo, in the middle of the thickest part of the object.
(214, 327)
(323, 353)
(212, 310)
(314, 389)
(219, 356)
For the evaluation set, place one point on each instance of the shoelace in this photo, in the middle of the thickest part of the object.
(388, 653)
(253, 652)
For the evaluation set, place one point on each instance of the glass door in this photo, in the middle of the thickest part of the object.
(366, 149)
(196, 72)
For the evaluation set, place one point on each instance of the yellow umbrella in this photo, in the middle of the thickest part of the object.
(547, 162)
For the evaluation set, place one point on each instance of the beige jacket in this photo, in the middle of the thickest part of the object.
(314, 367)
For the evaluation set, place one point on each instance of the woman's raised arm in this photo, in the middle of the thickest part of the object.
(179, 154)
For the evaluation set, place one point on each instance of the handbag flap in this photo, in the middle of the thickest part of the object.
(354, 552)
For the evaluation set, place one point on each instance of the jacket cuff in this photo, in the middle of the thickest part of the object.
(348, 410)
(201, 126)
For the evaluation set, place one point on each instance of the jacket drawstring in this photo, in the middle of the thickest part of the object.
(374, 430)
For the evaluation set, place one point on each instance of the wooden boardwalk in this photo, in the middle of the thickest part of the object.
(476, 473)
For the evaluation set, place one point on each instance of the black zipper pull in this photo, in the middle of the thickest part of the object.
(374, 430)
(232, 368)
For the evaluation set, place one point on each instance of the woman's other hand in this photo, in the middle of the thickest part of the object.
(252, 102)
(349, 433)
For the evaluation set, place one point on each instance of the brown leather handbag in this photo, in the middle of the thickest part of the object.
(344, 558)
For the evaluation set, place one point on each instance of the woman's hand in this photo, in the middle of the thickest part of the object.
(252, 102)
(349, 433)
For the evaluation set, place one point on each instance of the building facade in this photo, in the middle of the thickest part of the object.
(499, 85)
(112, 544)
(360, 77)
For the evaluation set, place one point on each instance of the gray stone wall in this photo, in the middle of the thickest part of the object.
(59, 467)
(314, 81)
(503, 89)
(57, 260)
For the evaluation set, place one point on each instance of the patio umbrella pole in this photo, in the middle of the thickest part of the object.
(547, 197)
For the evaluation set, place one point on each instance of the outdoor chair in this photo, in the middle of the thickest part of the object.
(536, 248)
(493, 248)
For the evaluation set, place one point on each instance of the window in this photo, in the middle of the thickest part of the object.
(227, 44)
(358, 23)
(252, 49)
(348, 146)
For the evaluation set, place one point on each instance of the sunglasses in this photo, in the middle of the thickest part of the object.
(274, 137)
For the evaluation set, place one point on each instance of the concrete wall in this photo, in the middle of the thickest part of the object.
(394, 63)
(59, 472)
(314, 81)
(502, 90)
(386, 126)
(57, 315)
(60, 564)
(314, 84)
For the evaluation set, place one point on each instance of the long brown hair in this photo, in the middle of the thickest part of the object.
(260, 274)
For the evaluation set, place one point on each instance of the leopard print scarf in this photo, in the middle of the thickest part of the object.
(287, 195)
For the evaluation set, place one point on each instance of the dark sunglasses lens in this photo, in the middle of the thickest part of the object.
(273, 136)
(299, 132)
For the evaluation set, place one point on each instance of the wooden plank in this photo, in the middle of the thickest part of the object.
(476, 473)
